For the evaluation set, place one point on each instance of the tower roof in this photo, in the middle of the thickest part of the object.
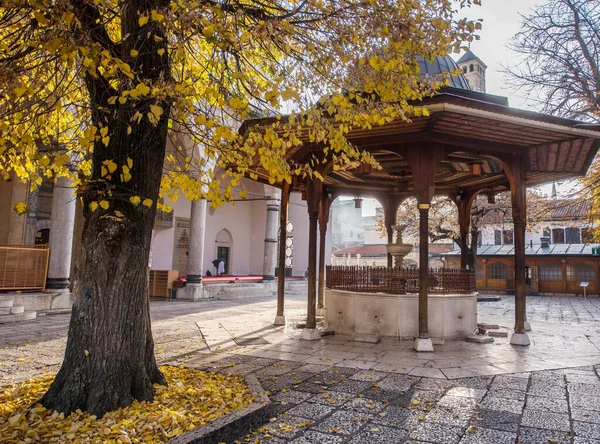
(440, 65)
(470, 55)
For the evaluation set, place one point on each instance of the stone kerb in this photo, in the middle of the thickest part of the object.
(228, 427)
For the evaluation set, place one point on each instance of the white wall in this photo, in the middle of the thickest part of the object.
(533, 234)
(245, 220)
(298, 216)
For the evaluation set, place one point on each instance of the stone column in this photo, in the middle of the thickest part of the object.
(61, 235)
(31, 218)
(270, 256)
(283, 213)
(195, 257)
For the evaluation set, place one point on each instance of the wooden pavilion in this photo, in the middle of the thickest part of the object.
(471, 143)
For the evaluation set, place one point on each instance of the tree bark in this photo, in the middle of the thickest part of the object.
(472, 252)
(109, 360)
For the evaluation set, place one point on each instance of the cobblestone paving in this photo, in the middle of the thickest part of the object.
(318, 404)
(338, 391)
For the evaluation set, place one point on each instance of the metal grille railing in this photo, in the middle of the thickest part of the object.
(23, 267)
(398, 280)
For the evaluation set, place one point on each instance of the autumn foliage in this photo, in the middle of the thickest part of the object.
(141, 99)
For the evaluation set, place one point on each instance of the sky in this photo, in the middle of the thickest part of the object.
(501, 21)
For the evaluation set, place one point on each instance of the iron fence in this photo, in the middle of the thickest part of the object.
(398, 280)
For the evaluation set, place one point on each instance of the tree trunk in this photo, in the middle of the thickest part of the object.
(472, 252)
(109, 360)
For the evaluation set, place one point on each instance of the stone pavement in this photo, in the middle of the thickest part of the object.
(336, 390)
(330, 404)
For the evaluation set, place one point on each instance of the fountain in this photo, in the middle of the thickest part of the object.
(363, 302)
(399, 249)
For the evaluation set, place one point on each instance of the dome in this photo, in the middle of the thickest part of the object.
(443, 64)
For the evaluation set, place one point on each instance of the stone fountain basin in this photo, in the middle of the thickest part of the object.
(451, 316)
(397, 249)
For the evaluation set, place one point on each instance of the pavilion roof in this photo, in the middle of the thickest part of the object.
(472, 127)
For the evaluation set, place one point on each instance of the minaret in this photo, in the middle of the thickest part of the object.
(474, 70)
(553, 195)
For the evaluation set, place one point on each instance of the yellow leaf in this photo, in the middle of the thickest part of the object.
(87, 353)
(143, 20)
(135, 200)
(94, 206)
(156, 110)
(147, 202)
(104, 204)
(161, 51)
(110, 165)
(156, 16)
(133, 53)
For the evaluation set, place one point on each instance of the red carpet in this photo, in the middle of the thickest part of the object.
(228, 278)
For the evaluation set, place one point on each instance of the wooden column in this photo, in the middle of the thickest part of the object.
(423, 269)
(422, 164)
(313, 200)
(283, 216)
(464, 221)
(389, 214)
(518, 192)
(323, 220)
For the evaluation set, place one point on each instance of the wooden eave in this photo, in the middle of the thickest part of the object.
(470, 129)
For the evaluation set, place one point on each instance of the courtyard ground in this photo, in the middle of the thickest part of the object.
(335, 390)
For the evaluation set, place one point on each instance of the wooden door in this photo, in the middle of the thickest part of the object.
(535, 283)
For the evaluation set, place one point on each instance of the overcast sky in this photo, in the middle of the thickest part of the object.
(501, 20)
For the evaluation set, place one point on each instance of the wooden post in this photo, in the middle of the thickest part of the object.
(517, 193)
(283, 214)
(390, 210)
(313, 200)
(422, 164)
(464, 221)
(323, 220)
(423, 269)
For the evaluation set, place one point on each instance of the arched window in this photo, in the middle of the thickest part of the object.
(550, 272)
(497, 270)
(478, 270)
(572, 235)
(579, 272)
(464, 69)
(224, 245)
(471, 67)
(558, 236)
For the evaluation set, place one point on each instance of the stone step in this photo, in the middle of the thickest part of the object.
(479, 339)
(487, 298)
(485, 326)
(498, 334)
(5, 311)
(54, 311)
(26, 316)
(6, 303)
(17, 309)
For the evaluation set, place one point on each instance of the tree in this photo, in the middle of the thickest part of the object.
(559, 44)
(443, 218)
(93, 89)
(559, 70)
